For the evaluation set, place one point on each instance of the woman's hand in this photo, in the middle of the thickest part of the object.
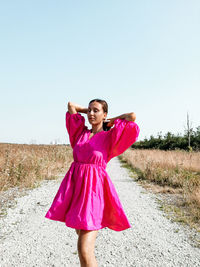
(110, 122)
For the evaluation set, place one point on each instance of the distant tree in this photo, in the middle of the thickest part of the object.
(189, 131)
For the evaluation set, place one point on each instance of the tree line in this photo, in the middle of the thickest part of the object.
(190, 141)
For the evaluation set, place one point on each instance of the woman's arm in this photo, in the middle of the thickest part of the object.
(128, 116)
(74, 108)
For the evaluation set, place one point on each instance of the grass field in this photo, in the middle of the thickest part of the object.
(173, 173)
(24, 165)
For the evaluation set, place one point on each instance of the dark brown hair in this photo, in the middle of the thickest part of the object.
(105, 109)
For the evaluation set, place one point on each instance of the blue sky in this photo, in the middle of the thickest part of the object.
(140, 56)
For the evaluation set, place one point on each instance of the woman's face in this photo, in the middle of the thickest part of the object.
(96, 113)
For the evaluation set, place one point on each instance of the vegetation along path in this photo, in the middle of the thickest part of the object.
(29, 239)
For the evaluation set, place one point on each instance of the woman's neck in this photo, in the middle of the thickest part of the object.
(96, 128)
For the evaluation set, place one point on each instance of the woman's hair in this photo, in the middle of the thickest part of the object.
(105, 109)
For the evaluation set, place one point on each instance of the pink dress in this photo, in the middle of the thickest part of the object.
(87, 198)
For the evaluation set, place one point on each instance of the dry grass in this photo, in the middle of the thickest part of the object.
(24, 165)
(167, 159)
(174, 172)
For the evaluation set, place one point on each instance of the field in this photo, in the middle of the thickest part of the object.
(24, 165)
(174, 174)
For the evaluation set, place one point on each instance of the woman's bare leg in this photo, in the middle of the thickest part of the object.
(85, 245)
(77, 231)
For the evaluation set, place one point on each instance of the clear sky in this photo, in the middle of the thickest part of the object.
(140, 56)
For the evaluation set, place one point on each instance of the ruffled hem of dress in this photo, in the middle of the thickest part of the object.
(88, 227)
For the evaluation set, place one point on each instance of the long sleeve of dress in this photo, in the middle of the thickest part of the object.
(122, 136)
(75, 124)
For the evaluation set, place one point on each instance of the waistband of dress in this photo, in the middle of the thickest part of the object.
(81, 162)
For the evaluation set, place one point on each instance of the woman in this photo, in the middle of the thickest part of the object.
(86, 199)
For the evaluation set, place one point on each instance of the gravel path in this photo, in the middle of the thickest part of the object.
(28, 239)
